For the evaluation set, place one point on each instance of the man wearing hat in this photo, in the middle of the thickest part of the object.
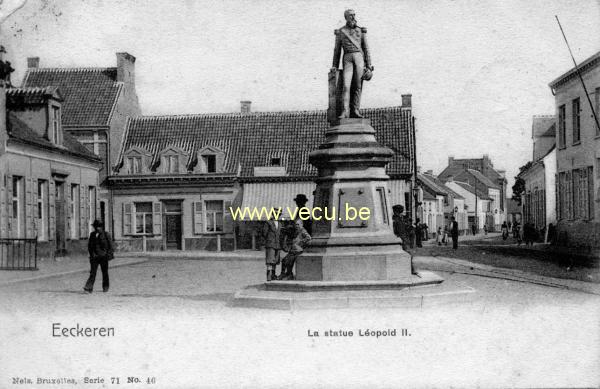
(301, 201)
(100, 249)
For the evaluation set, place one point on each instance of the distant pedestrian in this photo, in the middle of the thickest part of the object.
(445, 235)
(454, 233)
(504, 231)
(439, 237)
(529, 234)
(473, 228)
(272, 238)
(101, 251)
(419, 232)
(485, 229)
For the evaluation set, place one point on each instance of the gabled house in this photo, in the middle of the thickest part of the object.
(486, 168)
(478, 204)
(97, 103)
(539, 199)
(177, 176)
(449, 202)
(48, 180)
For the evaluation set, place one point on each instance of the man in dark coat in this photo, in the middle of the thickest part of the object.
(454, 233)
(100, 249)
(301, 201)
(419, 232)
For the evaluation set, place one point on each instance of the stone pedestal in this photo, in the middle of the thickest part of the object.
(352, 181)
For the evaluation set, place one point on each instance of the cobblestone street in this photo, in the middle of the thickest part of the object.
(182, 304)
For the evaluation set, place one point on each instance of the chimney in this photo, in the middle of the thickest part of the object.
(407, 101)
(450, 160)
(125, 68)
(450, 178)
(429, 172)
(245, 106)
(33, 62)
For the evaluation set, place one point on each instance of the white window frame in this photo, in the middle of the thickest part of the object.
(135, 213)
(56, 125)
(132, 168)
(17, 186)
(206, 216)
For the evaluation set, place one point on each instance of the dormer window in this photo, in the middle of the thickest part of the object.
(210, 161)
(134, 165)
(55, 129)
(171, 163)
(276, 161)
(136, 161)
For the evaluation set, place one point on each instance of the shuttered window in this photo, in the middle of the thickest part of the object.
(127, 214)
(198, 217)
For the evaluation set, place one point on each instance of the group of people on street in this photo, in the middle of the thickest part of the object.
(414, 234)
(291, 237)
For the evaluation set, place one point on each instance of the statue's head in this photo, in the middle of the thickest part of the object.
(350, 17)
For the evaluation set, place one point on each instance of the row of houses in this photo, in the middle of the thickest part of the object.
(79, 149)
(562, 182)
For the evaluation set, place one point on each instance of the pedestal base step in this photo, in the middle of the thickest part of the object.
(370, 294)
(420, 279)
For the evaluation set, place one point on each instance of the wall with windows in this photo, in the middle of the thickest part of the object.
(154, 219)
(28, 198)
(577, 188)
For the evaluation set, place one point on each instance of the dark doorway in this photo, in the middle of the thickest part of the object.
(59, 207)
(173, 231)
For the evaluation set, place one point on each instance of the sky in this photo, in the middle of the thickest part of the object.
(477, 70)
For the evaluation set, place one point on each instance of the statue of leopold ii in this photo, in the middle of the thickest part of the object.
(356, 63)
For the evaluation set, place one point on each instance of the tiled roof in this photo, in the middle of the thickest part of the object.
(89, 93)
(540, 125)
(437, 185)
(427, 181)
(22, 132)
(461, 165)
(551, 131)
(32, 94)
(252, 139)
(471, 189)
(483, 179)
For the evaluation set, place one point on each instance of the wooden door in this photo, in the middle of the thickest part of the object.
(173, 232)
(60, 219)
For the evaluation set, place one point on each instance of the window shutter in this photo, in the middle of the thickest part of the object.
(590, 186)
(9, 188)
(3, 206)
(83, 221)
(68, 188)
(32, 206)
(28, 208)
(227, 218)
(51, 210)
(198, 217)
(220, 162)
(127, 213)
(157, 218)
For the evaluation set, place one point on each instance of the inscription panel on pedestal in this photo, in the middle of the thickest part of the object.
(350, 201)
